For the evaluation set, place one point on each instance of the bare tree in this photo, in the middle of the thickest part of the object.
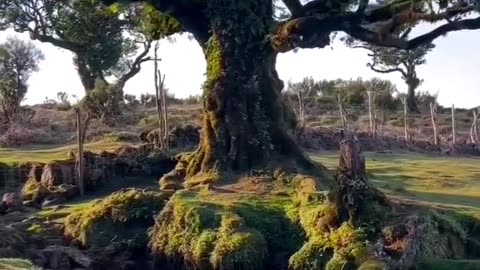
(161, 103)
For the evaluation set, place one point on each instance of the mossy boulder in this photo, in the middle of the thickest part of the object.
(122, 217)
(204, 230)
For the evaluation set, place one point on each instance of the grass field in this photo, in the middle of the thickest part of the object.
(40, 153)
(448, 182)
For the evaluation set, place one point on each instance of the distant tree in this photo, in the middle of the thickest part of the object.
(405, 62)
(305, 93)
(62, 97)
(18, 60)
(131, 99)
(105, 41)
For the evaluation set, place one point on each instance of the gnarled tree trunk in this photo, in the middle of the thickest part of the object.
(413, 84)
(245, 122)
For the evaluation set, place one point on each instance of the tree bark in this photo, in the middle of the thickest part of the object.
(246, 124)
(412, 84)
(245, 121)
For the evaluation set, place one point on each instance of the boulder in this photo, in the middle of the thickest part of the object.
(58, 172)
(36, 171)
(53, 201)
(65, 192)
(40, 194)
(12, 200)
(143, 136)
(186, 136)
(125, 151)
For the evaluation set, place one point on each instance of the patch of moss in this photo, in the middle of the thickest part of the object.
(122, 217)
(16, 264)
(226, 231)
(327, 246)
(29, 189)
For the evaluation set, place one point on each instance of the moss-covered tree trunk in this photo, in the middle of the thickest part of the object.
(245, 122)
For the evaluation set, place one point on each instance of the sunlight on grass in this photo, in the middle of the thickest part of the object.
(48, 153)
(438, 180)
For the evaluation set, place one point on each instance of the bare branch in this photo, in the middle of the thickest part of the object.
(385, 71)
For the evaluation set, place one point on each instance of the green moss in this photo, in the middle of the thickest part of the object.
(226, 231)
(373, 264)
(16, 264)
(214, 62)
(29, 188)
(122, 217)
(327, 245)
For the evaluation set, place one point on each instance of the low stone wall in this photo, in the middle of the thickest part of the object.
(58, 178)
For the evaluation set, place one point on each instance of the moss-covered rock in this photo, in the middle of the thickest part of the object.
(123, 217)
(226, 231)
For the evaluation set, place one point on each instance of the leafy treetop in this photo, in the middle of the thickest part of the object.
(104, 40)
(309, 24)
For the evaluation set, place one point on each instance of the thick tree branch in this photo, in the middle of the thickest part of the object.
(295, 7)
(136, 65)
(190, 14)
(385, 71)
(35, 35)
(314, 31)
(362, 6)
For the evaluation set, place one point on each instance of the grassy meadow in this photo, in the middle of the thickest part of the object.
(448, 182)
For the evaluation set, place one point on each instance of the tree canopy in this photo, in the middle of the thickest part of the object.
(394, 60)
(105, 40)
(18, 60)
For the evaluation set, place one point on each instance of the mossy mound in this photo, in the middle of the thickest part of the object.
(209, 230)
(16, 264)
(328, 246)
(122, 217)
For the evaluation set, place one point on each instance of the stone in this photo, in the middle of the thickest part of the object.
(50, 202)
(31, 203)
(57, 173)
(66, 192)
(36, 171)
(12, 200)
(40, 194)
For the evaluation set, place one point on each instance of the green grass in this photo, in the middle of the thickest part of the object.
(45, 154)
(448, 182)
(450, 264)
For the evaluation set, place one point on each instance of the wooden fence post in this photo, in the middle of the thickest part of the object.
(433, 114)
(80, 165)
(454, 134)
(405, 117)
(343, 116)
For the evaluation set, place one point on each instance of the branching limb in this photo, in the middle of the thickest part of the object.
(295, 7)
(387, 70)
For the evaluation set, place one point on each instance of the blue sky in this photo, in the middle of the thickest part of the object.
(453, 69)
